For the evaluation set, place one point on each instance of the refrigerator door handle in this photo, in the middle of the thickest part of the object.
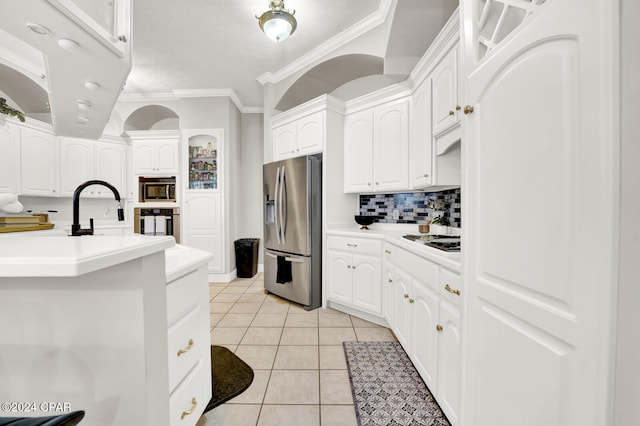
(284, 211)
(276, 204)
(287, 258)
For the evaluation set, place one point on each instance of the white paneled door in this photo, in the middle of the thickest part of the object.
(540, 211)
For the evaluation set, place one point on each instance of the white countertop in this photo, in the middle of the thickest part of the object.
(393, 234)
(181, 259)
(54, 254)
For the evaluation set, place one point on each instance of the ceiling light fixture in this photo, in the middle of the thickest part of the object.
(277, 23)
(39, 29)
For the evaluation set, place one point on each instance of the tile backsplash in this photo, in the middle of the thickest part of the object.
(412, 207)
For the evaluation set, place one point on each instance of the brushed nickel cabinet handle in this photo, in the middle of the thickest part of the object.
(193, 408)
(187, 349)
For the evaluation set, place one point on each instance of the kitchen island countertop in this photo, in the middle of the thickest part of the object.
(53, 254)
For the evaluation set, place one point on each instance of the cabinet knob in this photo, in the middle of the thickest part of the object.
(349, 266)
(387, 251)
(426, 175)
(458, 107)
(123, 38)
(390, 280)
(353, 267)
(450, 290)
(369, 183)
(377, 183)
(411, 300)
(439, 328)
(352, 245)
(468, 109)
(406, 296)
(451, 113)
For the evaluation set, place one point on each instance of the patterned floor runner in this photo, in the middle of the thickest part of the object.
(387, 389)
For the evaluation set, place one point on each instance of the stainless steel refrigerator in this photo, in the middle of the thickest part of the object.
(293, 229)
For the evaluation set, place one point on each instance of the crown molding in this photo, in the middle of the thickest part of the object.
(339, 40)
(176, 95)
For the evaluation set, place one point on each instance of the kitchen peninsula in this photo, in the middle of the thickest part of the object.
(117, 326)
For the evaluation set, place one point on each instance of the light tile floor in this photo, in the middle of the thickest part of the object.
(300, 372)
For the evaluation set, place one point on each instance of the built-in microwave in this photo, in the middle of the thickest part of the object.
(157, 189)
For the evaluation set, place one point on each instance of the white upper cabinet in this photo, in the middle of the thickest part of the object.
(376, 142)
(421, 149)
(446, 107)
(358, 152)
(303, 130)
(10, 158)
(38, 163)
(155, 153)
(108, 21)
(82, 160)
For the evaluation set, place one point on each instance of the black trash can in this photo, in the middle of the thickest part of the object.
(247, 257)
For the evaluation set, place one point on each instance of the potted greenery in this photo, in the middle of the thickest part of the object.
(6, 109)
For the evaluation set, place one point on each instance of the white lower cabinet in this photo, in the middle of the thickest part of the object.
(426, 321)
(189, 345)
(354, 271)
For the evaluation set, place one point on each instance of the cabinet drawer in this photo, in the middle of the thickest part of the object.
(183, 295)
(354, 245)
(188, 402)
(421, 269)
(186, 345)
(450, 287)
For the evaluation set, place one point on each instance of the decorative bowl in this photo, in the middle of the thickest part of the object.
(364, 221)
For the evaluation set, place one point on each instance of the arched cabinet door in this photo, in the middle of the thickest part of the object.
(538, 123)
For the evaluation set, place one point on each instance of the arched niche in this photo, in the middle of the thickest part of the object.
(152, 117)
(328, 76)
(23, 93)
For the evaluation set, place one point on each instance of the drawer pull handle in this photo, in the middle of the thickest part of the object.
(439, 328)
(352, 245)
(193, 408)
(187, 349)
(450, 290)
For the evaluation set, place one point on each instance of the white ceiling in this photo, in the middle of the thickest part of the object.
(216, 45)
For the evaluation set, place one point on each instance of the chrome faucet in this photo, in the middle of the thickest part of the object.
(76, 230)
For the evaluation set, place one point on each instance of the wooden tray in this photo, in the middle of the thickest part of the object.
(39, 227)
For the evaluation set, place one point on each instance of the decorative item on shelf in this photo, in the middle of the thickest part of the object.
(6, 109)
(277, 23)
(364, 221)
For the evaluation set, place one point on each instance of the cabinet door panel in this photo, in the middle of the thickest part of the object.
(358, 152)
(445, 92)
(76, 165)
(402, 307)
(421, 151)
(10, 158)
(38, 163)
(391, 147)
(111, 166)
(144, 157)
(367, 292)
(168, 159)
(340, 276)
(449, 362)
(284, 141)
(310, 135)
(424, 338)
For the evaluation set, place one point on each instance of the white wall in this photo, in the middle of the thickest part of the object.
(627, 390)
(249, 189)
